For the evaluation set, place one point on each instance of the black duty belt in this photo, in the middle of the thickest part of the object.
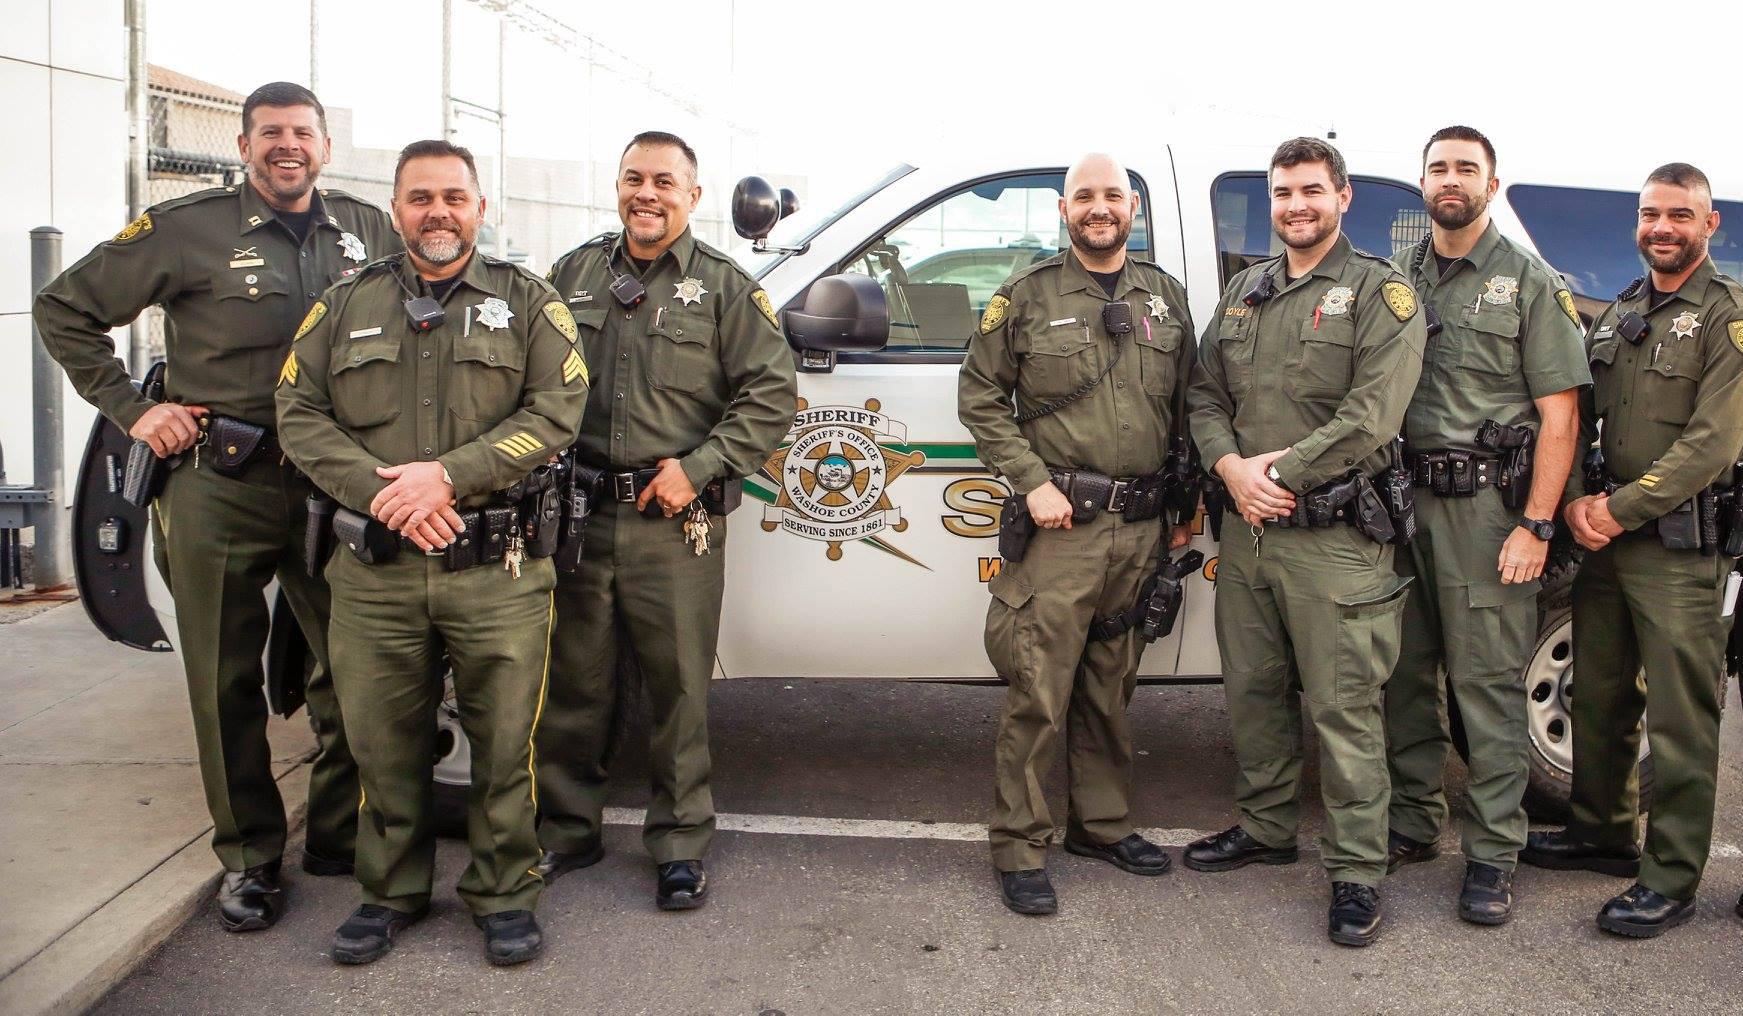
(1448, 472)
(231, 445)
(1134, 498)
(485, 537)
(624, 488)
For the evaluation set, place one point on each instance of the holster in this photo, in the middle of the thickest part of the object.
(1731, 529)
(1158, 605)
(1515, 446)
(1368, 512)
(722, 495)
(1707, 516)
(581, 497)
(142, 481)
(368, 540)
(1087, 491)
(1016, 528)
(1216, 502)
(1185, 481)
(318, 533)
(1592, 470)
(1679, 529)
(1398, 490)
(235, 444)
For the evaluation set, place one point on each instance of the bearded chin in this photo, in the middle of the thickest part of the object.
(1457, 217)
(1080, 237)
(1681, 261)
(440, 251)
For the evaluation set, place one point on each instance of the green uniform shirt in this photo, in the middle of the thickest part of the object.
(1341, 345)
(1509, 335)
(699, 371)
(1042, 338)
(491, 393)
(1671, 406)
(233, 282)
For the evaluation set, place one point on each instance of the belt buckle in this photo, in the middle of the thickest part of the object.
(1117, 496)
(623, 487)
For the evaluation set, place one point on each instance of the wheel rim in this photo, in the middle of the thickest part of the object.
(1549, 691)
(453, 751)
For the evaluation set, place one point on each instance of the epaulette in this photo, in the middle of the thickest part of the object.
(604, 239)
(491, 259)
(1031, 269)
(1359, 252)
(1633, 289)
(382, 263)
(193, 199)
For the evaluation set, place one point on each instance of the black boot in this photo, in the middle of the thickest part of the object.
(683, 885)
(1355, 914)
(315, 864)
(250, 900)
(1134, 854)
(510, 937)
(368, 933)
(1487, 895)
(1638, 912)
(1234, 848)
(1402, 850)
(1560, 851)
(555, 863)
(1028, 891)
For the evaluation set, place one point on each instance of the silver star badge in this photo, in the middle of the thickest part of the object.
(1685, 324)
(494, 313)
(352, 246)
(690, 290)
(1158, 309)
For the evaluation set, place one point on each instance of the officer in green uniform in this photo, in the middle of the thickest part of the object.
(1090, 317)
(416, 390)
(695, 387)
(1509, 354)
(1667, 389)
(234, 268)
(1302, 381)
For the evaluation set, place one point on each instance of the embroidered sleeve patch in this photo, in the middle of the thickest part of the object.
(317, 311)
(134, 230)
(995, 313)
(1400, 298)
(768, 309)
(287, 375)
(559, 315)
(575, 367)
(1566, 299)
(1736, 330)
(520, 444)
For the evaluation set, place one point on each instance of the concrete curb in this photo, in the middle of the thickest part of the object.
(73, 973)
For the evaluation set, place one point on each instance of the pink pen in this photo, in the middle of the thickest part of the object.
(1147, 335)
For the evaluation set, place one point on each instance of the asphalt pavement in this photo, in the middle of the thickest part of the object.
(895, 909)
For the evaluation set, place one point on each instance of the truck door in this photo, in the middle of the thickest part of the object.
(872, 534)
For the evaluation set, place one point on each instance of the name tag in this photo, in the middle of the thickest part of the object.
(1062, 321)
(247, 262)
(581, 297)
(1603, 333)
(364, 333)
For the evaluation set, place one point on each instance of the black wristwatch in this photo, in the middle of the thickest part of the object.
(1544, 531)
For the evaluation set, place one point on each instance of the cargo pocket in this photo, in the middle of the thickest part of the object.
(1010, 626)
(1368, 639)
(1499, 630)
(366, 381)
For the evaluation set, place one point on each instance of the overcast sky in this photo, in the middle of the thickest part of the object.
(840, 90)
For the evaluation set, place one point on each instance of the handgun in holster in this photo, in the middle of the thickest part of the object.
(1592, 478)
(368, 541)
(1369, 514)
(318, 533)
(1184, 482)
(1397, 490)
(1731, 515)
(142, 481)
(1162, 606)
(580, 496)
(1679, 528)
(1016, 527)
(1216, 501)
(722, 495)
(539, 498)
(1514, 446)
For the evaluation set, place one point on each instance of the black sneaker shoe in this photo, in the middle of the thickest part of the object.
(1234, 848)
(1562, 852)
(250, 900)
(1028, 891)
(1638, 912)
(510, 937)
(1134, 854)
(315, 864)
(1402, 850)
(368, 933)
(1487, 895)
(683, 885)
(1355, 914)
(553, 864)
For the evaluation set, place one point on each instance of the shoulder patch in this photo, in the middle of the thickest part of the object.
(995, 313)
(134, 230)
(1566, 300)
(317, 311)
(287, 375)
(1400, 298)
(767, 307)
(1736, 330)
(559, 315)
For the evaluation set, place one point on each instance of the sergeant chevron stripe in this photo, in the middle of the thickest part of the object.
(574, 367)
(519, 444)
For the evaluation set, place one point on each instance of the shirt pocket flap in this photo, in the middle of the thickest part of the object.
(1502, 321)
(493, 350)
(1163, 336)
(593, 317)
(1604, 351)
(358, 352)
(248, 284)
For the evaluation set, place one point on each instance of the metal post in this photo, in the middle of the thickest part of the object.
(54, 552)
(447, 70)
(501, 199)
(315, 46)
(138, 166)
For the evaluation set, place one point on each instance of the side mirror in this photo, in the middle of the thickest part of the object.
(842, 313)
(789, 202)
(756, 207)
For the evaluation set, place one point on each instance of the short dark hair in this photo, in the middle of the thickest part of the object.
(1296, 151)
(1680, 174)
(434, 148)
(281, 93)
(1461, 133)
(653, 139)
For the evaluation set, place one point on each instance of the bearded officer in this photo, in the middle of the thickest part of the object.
(1059, 393)
(1301, 385)
(1491, 437)
(1667, 401)
(695, 389)
(234, 268)
(416, 391)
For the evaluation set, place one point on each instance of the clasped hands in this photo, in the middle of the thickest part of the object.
(418, 503)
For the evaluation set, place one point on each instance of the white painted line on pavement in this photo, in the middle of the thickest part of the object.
(872, 828)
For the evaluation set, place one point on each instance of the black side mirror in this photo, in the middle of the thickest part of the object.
(756, 207)
(789, 202)
(842, 313)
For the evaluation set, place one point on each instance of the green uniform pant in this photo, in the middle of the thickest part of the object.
(391, 624)
(1460, 618)
(1637, 605)
(219, 542)
(639, 581)
(1314, 613)
(1036, 638)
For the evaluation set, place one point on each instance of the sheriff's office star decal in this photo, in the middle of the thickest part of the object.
(1337, 301)
(352, 246)
(690, 291)
(1500, 290)
(494, 313)
(1158, 308)
(317, 310)
(287, 375)
(1566, 299)
(995, 313)
(559, 315)
(1400, 298)
(1684, 324)
(134, 230)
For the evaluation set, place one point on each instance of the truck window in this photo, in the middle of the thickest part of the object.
(1588, 236)
(942, 264)
(1384, 218)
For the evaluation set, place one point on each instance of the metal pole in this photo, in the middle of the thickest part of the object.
(315, 46)
(138, 152)
(501, 199)
(54, 553)
(447, 70)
